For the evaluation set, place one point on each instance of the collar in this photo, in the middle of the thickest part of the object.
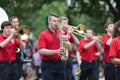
(51, 31)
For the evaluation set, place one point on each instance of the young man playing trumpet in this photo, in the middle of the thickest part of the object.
(86, 56)
(68, 32)
(14, 24)
(8, 45)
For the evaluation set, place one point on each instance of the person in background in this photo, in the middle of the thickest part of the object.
(50, 48)
(106, 41)
(37, 62)
(8, 45)
(86, 56)
(67, 31)
(114, 53)
(30, 48)
(74, 61)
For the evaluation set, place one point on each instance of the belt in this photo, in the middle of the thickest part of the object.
(52, 61)
(91, 61)
(8, 62)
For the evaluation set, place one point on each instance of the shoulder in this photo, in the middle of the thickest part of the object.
(105, 36)
(82, 40)
(44, 32)
(2, 37)
(116, 39)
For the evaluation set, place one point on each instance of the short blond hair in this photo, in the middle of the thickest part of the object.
(63, 18)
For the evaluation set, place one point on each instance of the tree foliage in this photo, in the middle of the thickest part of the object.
(96, 8)
(91, 13)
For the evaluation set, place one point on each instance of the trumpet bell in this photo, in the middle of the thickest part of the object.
(80, 27)
(23, 32)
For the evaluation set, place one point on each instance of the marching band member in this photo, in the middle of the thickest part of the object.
(8, 45)
(49, 45)
(63, 22)
(14, 23)
(109, 68)
(86, 57)
(115, 50)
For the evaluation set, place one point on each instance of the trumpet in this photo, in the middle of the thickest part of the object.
(79, 30)
(22, 32)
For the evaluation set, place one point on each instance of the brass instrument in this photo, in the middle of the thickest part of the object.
(22, 32)
(64, 45)
(79, 30)
(65, 55)
(78, 71)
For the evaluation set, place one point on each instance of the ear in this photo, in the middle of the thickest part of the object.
(106, 29)
(119, 28)
(49, 21)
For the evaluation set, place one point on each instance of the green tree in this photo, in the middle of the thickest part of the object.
(96, 8)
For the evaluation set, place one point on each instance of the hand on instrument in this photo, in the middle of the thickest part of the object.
(95, 38)
(65, 38)
(70, 30)
(13, 31)
(61, 50)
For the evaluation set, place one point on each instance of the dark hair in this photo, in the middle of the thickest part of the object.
(11, 18)
(107, 23)
(52, 14)
(116, 31)
(5, 23)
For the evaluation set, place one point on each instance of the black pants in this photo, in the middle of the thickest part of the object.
(68, 69)
(117, 73)
(19, 63)
(109, 71)
(89, 70)
(8, 71)
(52, 70)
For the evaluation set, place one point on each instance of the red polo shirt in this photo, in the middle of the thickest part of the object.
(8, 53)
(115, 49)
(106, 48)
(49, 40)
(87, 54)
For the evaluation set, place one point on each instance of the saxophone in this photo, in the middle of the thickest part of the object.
(64, 45)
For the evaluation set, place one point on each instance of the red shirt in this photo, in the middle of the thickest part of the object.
(115, 49)
(87, 54)
(106, 48)
(8, 53)
(70, 37)
(49, 40)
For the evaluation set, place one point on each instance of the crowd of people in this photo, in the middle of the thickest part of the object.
(59, 53)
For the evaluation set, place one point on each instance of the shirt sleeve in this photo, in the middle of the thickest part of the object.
(17, 43)
(41, 41)
(104, 40)
(113, 49)
(81, 46)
